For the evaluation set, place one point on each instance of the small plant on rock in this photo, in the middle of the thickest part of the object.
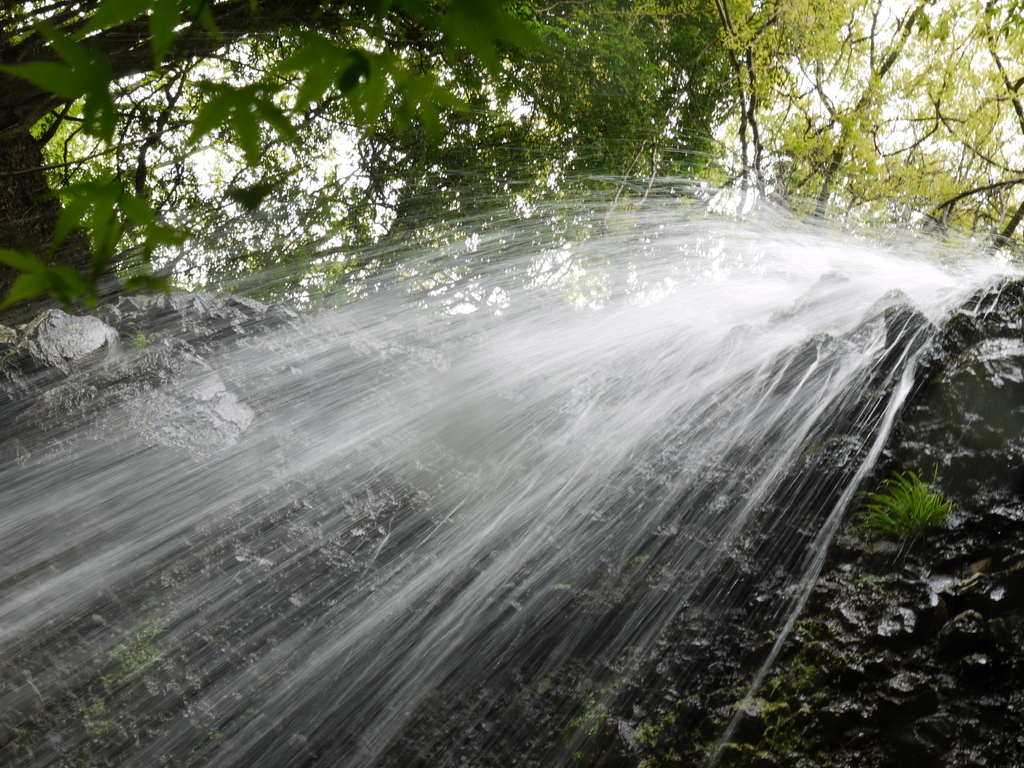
(137, 338)
(907, 506)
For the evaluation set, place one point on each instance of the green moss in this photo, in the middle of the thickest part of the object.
(776, 740)
(811, 628)
(783, 737)
(139, 653)
(94, 718)
(798, 677)
(732, 754)
(662, 742)
(650, 733)
(812, 449)
(590, 723)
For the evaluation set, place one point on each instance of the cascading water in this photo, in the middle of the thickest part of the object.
(444, 536)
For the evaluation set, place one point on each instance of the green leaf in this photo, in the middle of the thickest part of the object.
(368, 100)
(316, 51)
(24, 262)
(431, 120)
(60, 79)
(213, 114)
(273, 115)
(242, 110)
(378, 7)
(162, 234)
(136, 209)
(74, 53)
(87, 73)
(67, 285)
(205, 16)
(354, 71)
(318, 60)
(476, 26)
(408, 104)
(94, 207)
(164, 20)
(63, 282)
(27, 285)
(104, 227)
(111, 14)
(71, 216)
(250, 198)
(315, 84)
(247, 136)
(418, 9)
(462, 28)
(323, 64)
(147, 282)
(99, 111)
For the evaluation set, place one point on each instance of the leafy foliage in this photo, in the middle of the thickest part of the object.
(214, 140)
(906, 507)
(881, 113)
(355, 123)
(37, 277)
(243, 111)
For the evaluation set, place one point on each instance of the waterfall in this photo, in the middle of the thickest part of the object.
(479, 512)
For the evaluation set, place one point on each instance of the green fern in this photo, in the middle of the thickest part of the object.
(906, 507)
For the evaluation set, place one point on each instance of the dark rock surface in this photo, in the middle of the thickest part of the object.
(909, 653)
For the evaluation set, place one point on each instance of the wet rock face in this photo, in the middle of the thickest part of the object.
(140, 362)
(970, 422)
(200, 414)
(50, 347)
(58, 340)
(967, 418)
(167, 394)
(903, 658)
(116, 383)
(205, 321)
(909, 653)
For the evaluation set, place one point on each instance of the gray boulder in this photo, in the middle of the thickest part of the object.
(56, 339)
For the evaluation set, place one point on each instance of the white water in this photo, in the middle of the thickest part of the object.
(441, 520)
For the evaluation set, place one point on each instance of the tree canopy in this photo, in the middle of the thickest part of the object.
(210, 140)
(877, 111)
(229, 137)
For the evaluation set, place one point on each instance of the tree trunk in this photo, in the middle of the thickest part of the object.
(29, 211)
(827, 178)
(1003, 238)
(26, 211)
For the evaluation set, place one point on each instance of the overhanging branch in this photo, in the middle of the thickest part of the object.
(948, 205)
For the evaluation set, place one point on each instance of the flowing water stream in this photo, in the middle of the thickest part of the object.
(449, 535)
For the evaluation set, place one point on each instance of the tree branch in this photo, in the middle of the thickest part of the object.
(977, 190)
